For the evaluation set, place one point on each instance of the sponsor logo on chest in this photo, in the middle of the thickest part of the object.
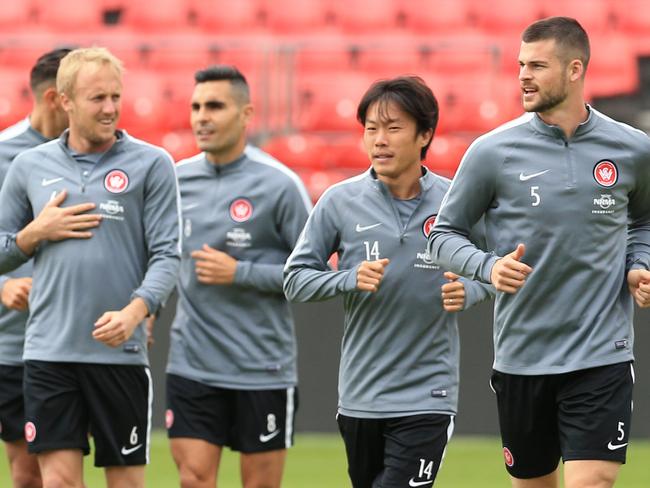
(238, 237)
(112, 210)
(605, 204)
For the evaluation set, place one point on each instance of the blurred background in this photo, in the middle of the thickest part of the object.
(308, 63)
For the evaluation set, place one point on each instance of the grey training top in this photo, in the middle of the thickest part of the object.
(238, 336)
(133, 253)
(570, 202)
(400, 349)
(13, 141)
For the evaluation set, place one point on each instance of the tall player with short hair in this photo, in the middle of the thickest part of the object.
(565, 192)
(97, 276)
(231, 377)
(46, 121)
(398, 378)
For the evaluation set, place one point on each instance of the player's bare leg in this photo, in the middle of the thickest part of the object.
(23, 466)
(61, 468)
(197, 461)
(263, 469)
(123, 476)
(590, 474)
(548, 481)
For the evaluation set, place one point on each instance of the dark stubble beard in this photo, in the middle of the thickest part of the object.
(551, 99)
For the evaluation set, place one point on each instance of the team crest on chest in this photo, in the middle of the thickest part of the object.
(606, 173)
(116, 181)
(428, 225)
(241, 210)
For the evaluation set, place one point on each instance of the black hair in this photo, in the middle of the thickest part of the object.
(225, 72)
(46, 67)
(567, 33)
(410, 94)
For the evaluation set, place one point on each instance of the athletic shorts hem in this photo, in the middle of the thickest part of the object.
(12, 438)
(194, 435)
(594, 456)
(58, 446)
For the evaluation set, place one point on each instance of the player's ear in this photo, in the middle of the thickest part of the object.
(51, 97)
(247, 112)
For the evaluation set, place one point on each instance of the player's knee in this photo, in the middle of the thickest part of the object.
(27, 479)
(58, 481)
(600, 478)
(195, 476)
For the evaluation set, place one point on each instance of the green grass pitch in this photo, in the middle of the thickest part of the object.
(318, 461)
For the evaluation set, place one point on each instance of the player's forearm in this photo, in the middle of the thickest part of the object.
(307, 284)
(262, 277)
(29, 238)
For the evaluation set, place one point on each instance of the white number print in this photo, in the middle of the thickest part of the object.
(535, 196)
(621, 431)
(270, 422)
(372, 251)
(133, 438)
(426, 469)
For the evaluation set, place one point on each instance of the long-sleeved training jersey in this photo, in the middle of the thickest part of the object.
(400, 350)
(570, 202)
(14, 140)
(238, 336)
(133, 253)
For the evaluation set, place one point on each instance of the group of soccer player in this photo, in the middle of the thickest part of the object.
(549, 213)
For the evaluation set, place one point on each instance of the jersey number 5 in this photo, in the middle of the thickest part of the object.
(535, 196)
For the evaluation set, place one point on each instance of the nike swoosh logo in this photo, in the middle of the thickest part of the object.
(46, 182)
(613, 447)
(126, 452)
(361, 228)
(190, 206)
(523, 177)
(412, 482)
(268, 437)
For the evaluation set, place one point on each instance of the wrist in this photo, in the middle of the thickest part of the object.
(28, 239)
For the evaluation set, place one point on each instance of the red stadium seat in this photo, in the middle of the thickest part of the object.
(596, 16)
(372, 16)
(328, 104)
(301, 150)
(468, 105)
(501, 16)
(180, 144)
(613, 68)
(144, 107)
(15, 16)
(633, 21)
(15, 96)
(22, 49)
(445, 154)
(443, 16)
(66, 15)
(163, 16)
(466, 53)
(226, 16)
(184, 52)
(295, 16)
(318, 181)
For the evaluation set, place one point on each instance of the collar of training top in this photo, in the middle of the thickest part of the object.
(555, 131)
(220, 169)
(426, 180)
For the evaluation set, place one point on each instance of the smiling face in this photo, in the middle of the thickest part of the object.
(93, 107)
(392, 141)
(543, 76)
(219, 120)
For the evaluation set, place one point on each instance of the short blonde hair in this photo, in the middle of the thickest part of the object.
(66, 76)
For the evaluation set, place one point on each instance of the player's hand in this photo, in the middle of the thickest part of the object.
(214, 267)
(56, 223)
(638, 282)
(453, 293)
(15, 293)
(116, 326)
(509, 273)
(370, 274)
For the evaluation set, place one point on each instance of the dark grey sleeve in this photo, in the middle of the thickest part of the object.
(307, 276)
(161, 221)
(638, 244)
(291, 214)
(15, 214)
(469, 197)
